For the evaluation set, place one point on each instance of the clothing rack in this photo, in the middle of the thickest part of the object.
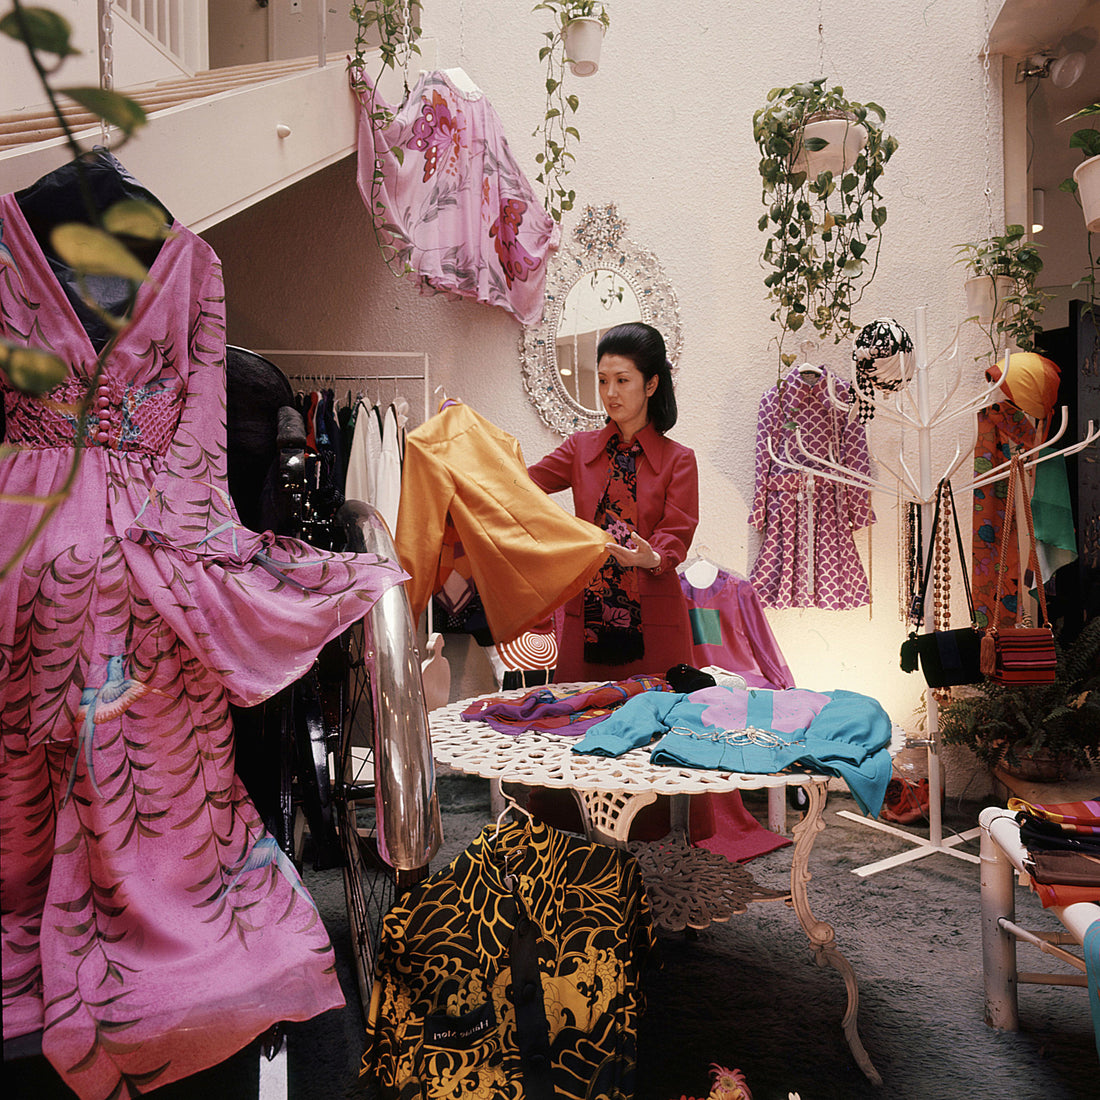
(421, 376)
(912, 408)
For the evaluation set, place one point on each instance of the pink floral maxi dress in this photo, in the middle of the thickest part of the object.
(808, 557)
(449, 199)
(150, 926)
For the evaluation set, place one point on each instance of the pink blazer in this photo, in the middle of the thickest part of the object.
(668, 513)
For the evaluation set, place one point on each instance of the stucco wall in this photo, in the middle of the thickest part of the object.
(666, 134)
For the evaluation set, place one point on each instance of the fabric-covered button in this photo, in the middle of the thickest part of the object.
(103, 402)
(527, 993)
(537, 1061)
(102, 437)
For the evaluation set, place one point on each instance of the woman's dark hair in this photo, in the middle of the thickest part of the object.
(644, 346)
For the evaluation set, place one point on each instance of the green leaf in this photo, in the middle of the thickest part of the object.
(134, 218)
(573, 102)
(815, 144)
(46, 31)
(116, 110)
(31, 370)
(91, 251)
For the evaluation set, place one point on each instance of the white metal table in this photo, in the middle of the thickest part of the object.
(688, 887)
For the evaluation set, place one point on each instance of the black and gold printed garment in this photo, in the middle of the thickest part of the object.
(513, 974)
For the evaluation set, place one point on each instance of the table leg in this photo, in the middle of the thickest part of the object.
(821, 935)
(998, 899)
(607, 816)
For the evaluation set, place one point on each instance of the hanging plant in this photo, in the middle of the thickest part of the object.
(1084, 185)
(824, 217)
(556, 129)
(392, 28)
(1006, 269)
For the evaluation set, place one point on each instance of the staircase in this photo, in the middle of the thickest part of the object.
(216, 142)
(40, 124)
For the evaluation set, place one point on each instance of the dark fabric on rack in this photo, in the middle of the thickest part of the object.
(61, 197)
(256, 393)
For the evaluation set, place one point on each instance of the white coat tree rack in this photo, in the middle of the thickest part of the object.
(912, 409)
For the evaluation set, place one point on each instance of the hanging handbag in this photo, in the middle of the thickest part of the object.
(946, 657)
(1024, 655)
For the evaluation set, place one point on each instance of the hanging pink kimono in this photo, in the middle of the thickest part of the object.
(454, 204)
(151, 926)
(808, 557)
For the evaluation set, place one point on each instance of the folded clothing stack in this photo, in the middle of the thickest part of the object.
(1063, 843)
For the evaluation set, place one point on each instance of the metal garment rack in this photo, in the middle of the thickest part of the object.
(311, 353)
(913, 408)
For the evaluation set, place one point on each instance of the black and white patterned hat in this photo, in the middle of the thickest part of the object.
(880, 354)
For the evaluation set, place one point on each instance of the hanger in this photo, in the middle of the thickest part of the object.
(699, 570)
(461, 80)
(510, 805)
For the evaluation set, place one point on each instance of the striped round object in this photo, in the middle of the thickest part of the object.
(531, 650)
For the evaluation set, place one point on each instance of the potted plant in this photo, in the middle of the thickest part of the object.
(578, 21)
(821, 158)
(1085, 183)
(1043, 732)
(583, 25)
(1001, 291)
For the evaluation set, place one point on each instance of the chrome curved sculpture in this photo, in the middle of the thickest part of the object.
(409, 828)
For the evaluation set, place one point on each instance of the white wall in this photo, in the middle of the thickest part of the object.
(666, 130)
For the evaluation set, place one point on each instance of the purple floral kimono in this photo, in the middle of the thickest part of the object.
(454, 204)
(150, 925)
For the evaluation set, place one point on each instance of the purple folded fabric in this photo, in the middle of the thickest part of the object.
(569, 711)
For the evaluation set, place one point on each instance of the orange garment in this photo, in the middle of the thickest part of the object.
(527, 555)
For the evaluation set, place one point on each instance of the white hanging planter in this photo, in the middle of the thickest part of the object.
(846, 138)
(986, 296)
(1087, 177)
(583, 39)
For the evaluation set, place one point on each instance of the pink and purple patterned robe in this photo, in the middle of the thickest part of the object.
(455, 205)
(808, 557)
(151, 928)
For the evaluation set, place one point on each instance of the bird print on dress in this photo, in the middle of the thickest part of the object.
(264, 853)
(109, 701)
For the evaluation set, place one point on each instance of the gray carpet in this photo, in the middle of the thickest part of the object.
(748, 994)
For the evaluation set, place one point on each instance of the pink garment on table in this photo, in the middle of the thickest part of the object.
(456, 206)
(808, 557)
(730, 631)
(151, 927)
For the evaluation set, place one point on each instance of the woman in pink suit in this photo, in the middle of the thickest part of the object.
(643, 489)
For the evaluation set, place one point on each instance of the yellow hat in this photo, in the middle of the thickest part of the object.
(1031, 382)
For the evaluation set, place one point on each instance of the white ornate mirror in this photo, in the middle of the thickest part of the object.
(599, 280)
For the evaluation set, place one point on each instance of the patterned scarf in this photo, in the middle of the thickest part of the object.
(612, 612)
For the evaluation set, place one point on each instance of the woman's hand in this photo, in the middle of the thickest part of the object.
(641, 555)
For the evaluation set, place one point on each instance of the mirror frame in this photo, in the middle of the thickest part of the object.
(599, 241)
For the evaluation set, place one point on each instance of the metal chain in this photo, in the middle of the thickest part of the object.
(406, 39)
(820, 40)
(987, 96)
(106, 60)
